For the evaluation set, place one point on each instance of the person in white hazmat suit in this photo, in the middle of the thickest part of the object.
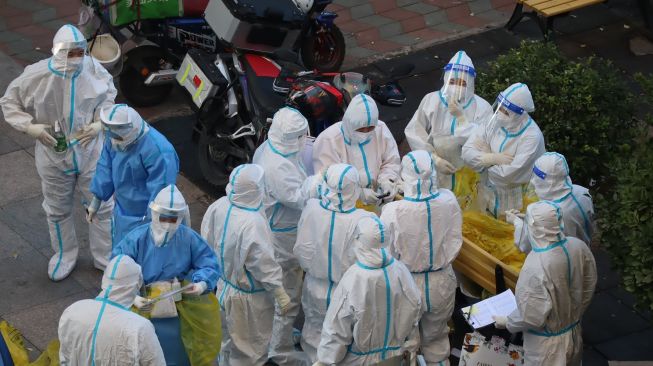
(504, 151)
(554, 289)
(446, 118)
(104, 331)
(236, 227)
(287, 189)
(376, 307)
(62, 96)
(324, 246)
(427, 226)
(551, 182)
(365, 142)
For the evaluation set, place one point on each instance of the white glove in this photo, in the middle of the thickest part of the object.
(197, 289)
(456, 110)
(482, 146)
(143, 304)
(389, 189)
(282, 299)
(89, 133)
(318, 363)
(442, 165)
(513, 215)
(369, 196)
(500, 321)
(92, 208)
(38, 132)
(490, 159)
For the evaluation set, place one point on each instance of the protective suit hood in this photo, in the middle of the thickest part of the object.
(169, 204)
(361, 112)
(551, 177)
(67, 38)
(545, 225)
(372, 237)
(246, 186)
(461, 68)
(419, 175)
(122, 280)
(340, 188)
(123, 125)
(517, 102)
(288, 132)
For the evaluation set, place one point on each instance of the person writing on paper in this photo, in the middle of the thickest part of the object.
(103, 331)
(236, 228)
(554, 288)
(136, 163)
(324, 247)
(364, 142)
(446, 118)
(167, 249)
(61, 97)
(428, 235)
(375, 310)
(551, 182)
(504, 151)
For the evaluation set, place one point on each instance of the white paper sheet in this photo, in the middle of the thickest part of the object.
(481, 313)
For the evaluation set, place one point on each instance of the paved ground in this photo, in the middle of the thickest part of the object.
(613, 330)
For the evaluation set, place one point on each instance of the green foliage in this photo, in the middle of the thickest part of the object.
(583, 107)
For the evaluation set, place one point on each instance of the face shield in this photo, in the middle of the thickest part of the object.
(168, 211)
(506, 114)
(352, 84)
(458, 83)
(68, 57)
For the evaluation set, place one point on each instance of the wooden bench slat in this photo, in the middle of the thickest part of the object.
(478, 265)
(538, 4)
(563, 8)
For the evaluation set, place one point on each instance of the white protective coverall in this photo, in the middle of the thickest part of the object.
(325, 248)
(287, 190)
(103, 331)
(551, 182)
(427, 226)
(555, 287)
(510, 133)
(236, 228)
(436, 129)
(375, 310)
(374, 154)
(69, 92)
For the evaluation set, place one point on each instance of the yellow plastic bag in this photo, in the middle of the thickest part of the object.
(201, 331)
(494, 236)
(49, 357)
(465, 186)
(370, 208)
(15, 344)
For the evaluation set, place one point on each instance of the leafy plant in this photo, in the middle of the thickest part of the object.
(583, 107)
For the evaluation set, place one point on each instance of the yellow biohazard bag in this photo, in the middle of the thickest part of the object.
(494, 236)
(465, 186)
(49, 357)
(201, 331)
(14, 341)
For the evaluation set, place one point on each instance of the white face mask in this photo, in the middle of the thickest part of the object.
(162, 232)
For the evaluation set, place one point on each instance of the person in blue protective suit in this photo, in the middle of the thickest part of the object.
(62, 96)
(237, 229)
(504, 151)
(375, 310)
(104, 331)
(554, 289)
(446, 118)
(136, 163)
(324, 246)
(167, 249)
(551, 182)
(287, 189)
(428, 236)
(365, 142)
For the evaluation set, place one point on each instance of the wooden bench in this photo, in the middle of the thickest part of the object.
(545, 11)
(484, 269)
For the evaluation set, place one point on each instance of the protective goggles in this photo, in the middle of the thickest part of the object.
(167, 211)
(168, 219)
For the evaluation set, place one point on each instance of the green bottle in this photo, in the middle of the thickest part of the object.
(62, 145)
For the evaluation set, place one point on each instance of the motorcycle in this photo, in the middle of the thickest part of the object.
(236, 95)
(156, 47)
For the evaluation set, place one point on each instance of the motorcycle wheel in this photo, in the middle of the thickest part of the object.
(216, 157)
(139, 63)
(324, 50)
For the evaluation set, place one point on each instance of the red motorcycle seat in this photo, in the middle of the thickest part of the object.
(195, 8)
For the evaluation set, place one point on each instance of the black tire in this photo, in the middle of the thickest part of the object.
(216, 163)
(324, 51)
(133, 76)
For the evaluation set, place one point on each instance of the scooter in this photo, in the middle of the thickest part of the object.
(154, 48)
